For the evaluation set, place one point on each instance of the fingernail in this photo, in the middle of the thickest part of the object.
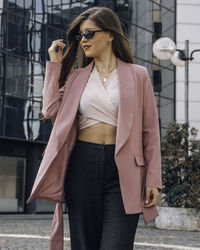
(146, 202)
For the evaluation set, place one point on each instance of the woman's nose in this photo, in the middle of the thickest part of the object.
(84, 39)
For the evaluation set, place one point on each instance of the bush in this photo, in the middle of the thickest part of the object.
(180, 151)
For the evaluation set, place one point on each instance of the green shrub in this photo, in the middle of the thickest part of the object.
(180, 151)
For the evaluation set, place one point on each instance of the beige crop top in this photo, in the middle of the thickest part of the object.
(99, 103)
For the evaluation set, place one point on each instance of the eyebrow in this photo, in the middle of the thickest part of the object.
(87, 29)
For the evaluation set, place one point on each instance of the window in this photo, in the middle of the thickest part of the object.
(12, 183)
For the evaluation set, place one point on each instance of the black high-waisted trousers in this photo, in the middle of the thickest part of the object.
(97, 219)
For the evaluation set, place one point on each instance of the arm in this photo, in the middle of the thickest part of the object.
(151, 136)
(52, 95)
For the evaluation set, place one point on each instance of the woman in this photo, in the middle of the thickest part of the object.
(103, 155)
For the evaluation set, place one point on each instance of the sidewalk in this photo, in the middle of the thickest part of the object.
(31, 232)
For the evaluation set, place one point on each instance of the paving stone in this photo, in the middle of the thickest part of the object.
(148, 237)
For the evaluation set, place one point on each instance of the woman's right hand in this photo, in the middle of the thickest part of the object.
(56, 56)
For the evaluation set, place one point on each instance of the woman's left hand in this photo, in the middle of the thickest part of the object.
(151, 192)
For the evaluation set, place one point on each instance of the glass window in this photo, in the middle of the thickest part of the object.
(16, 82)
(13, 117)
(27, 29)
(12, 183)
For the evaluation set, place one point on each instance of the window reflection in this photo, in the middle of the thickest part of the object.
(27, 29)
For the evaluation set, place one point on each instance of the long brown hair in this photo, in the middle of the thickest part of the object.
(107, 20)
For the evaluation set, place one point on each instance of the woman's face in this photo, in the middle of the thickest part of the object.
(99, 44)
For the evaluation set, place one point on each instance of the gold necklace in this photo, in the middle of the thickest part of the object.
(104, 73)
(104, 78)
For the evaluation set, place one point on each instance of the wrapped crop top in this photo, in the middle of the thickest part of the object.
(99, 103)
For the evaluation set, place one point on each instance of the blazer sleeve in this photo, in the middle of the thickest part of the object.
(151, 136)
(52, 95)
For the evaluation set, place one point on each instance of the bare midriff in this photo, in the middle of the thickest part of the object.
(102, 133)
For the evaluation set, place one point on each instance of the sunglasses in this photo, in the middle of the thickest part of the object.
(88, 35)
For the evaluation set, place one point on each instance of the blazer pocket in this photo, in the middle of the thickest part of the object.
(139, 160)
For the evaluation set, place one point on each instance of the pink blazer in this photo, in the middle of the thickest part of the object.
(137, 149)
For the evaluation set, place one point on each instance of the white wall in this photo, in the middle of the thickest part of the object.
(188, 28)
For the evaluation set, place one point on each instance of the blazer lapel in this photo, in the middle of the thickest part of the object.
(70, 106)
(126, 104)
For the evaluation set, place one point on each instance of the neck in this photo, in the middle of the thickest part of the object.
(105, 63)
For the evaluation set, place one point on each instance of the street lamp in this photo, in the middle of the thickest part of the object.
(164, 49)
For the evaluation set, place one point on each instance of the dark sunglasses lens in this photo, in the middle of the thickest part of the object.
(89, 34)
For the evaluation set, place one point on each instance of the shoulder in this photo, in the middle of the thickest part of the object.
(140, 75)
(76, 71)
(73, 73)
(137, 68)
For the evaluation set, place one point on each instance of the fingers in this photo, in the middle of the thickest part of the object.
(57, 43)
(148, 193)
(151, 191)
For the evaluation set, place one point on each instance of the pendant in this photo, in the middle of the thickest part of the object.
(104, 79)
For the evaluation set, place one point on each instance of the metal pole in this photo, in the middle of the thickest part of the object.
(186, 80)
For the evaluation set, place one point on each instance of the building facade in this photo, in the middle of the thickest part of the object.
(27, 29)
(188, 27)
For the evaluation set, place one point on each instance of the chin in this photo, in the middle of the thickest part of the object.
(89, 54)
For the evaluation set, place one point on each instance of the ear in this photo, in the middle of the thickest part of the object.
(110, 36)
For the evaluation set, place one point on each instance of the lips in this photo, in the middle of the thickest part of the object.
(85, 47)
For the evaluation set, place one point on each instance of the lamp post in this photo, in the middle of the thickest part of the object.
(164, 49)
